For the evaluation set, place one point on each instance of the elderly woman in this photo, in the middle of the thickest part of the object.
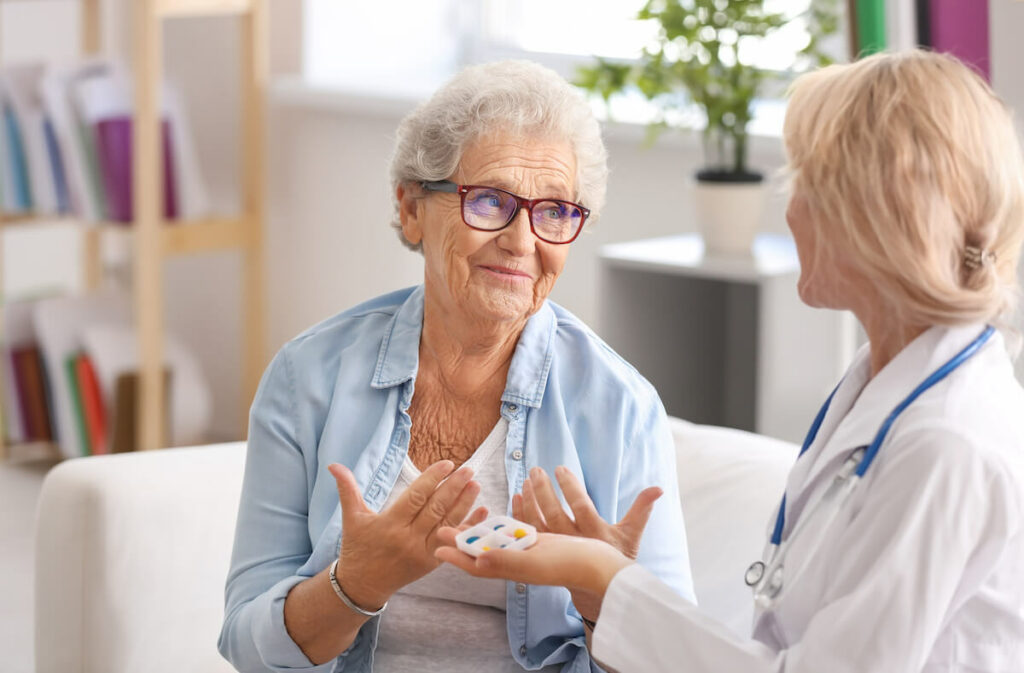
(900, 541)
(426, 400)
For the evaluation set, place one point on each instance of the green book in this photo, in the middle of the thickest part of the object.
(76, 403)
(870, 26)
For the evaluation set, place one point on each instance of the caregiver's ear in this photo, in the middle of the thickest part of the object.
(410, 211)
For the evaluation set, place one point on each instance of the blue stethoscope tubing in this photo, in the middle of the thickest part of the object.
(756, 575)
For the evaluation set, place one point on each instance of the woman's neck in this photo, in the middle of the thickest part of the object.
(464, 355)
(886, 336)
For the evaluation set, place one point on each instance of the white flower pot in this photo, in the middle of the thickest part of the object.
(729, 214)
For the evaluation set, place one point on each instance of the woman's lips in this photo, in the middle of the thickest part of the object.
(506, 274)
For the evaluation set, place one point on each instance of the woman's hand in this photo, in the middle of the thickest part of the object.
(577, 563)
(380, 553)
(539, 506)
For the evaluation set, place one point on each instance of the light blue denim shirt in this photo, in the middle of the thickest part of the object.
(340, 393)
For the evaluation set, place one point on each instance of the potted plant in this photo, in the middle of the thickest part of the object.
(699, 60)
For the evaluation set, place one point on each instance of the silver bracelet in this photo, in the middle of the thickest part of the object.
(348, 601)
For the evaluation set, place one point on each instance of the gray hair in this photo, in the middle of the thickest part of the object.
(518, 97)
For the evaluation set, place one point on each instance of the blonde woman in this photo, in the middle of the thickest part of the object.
(899, 545)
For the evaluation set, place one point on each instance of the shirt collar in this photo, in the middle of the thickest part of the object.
(398, 358)
(858, 409)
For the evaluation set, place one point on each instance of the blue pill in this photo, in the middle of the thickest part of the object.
(472, 539)
(500, 525)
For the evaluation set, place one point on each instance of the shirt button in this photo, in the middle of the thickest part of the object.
(513, 408)
(520, 588)
(517, 455)
(522, 651)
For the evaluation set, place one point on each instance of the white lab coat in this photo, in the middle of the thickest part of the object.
(923, 568)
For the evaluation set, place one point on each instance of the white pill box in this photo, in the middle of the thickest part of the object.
(497, 532)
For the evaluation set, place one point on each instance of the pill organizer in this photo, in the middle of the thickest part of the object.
(497, 532)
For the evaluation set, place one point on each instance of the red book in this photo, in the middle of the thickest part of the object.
(20, 386)
(92, 404)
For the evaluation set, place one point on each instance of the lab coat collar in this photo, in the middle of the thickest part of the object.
(860, 406)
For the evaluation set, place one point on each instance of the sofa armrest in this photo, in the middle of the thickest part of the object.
(730, 484)
(132, 551)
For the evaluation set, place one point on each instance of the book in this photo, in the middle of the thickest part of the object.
(124, 419)
(59, 323)
(74, 135)
(14, 426)
(77, 408)
(57, 168)
(33, 393)
(20, 199)
(92, 405)
(105, 105)
(113, 350)
(21, 387)
(20, 84)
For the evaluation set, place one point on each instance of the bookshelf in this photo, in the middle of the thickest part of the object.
(152, 239)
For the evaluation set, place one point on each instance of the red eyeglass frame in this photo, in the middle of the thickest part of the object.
(449, 187)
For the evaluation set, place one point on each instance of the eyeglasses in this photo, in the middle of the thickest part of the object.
(492, 209)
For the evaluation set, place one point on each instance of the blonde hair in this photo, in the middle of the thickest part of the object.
(906, 160)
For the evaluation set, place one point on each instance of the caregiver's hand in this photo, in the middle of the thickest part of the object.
(577, 563)
(538, 505)
(381, 553)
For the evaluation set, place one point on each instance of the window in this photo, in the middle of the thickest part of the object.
(409, 47)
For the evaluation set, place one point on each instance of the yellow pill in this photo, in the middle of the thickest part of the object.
(520, 533)
(487, 549)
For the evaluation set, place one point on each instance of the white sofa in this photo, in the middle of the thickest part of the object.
(132, 550)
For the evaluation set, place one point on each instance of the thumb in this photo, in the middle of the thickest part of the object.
(635, 521)
(349, 495)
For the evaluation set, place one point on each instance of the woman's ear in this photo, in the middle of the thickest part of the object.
(409, 212)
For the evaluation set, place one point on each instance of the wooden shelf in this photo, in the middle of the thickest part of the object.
(154, 240)
(31, 452)
(177, 237)
(183, 8)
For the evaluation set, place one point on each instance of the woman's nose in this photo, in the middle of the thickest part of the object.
(517, 238)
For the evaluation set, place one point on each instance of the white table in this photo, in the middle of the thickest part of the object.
(725, 340)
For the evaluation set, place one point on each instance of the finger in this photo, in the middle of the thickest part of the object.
(635, 521)
(530, 509)
(463, 503)
(543, 490)
(583, 511)
(459, 559)
(349, 494)
(414, 498)
(479, 515)
(517, 507)
(446, 535)
(442, 499)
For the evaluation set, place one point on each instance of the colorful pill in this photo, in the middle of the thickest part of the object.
(487, 549)
(520, 533)
(472, 539)
(500, 525)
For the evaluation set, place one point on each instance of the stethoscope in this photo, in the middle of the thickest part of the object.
(766, 577)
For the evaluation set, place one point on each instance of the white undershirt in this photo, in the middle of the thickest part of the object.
(447, 620)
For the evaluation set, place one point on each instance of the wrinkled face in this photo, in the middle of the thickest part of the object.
(492, 276)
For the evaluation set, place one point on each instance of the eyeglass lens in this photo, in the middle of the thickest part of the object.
(491, 209)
